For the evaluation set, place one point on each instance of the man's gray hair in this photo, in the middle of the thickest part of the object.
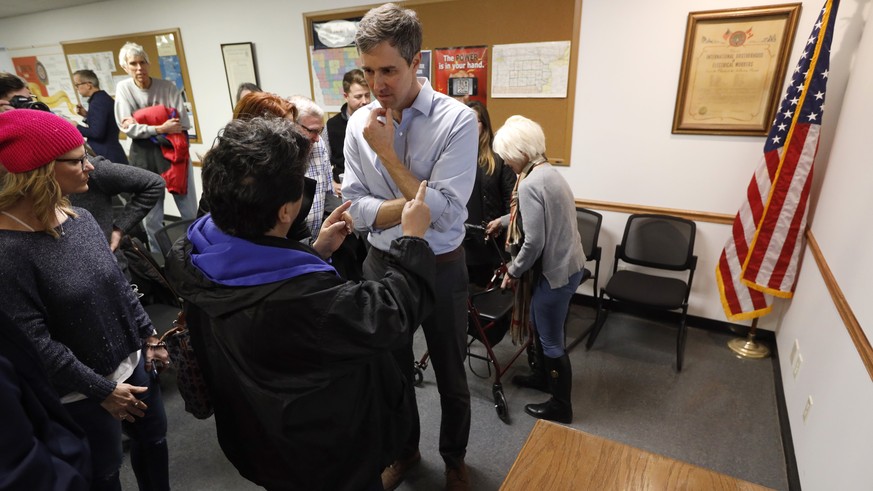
(131, 49)
(305, 107)
(398, 26)
(86, 75)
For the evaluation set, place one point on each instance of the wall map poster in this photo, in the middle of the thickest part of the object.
(328, 68)
(531, 70)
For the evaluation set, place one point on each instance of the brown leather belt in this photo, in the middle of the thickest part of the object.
(440, 258)
(450, 256)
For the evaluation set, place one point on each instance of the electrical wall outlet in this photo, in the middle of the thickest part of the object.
(798, 360)
(807, 408)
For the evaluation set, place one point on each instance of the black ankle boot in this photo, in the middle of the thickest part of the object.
(537, 378)
(559, 408)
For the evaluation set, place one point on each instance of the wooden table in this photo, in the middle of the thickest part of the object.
(557, 457)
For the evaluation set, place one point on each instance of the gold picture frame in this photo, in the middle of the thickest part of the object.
(733, 66)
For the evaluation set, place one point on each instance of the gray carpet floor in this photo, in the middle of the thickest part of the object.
(720, 412)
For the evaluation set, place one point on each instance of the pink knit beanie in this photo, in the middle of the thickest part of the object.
(30, 139)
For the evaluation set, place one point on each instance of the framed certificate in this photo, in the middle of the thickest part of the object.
(239, 66)
(733, 66)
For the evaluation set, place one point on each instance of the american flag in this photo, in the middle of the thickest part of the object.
(762, 256)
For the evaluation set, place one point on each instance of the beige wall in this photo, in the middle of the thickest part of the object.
(834, 446)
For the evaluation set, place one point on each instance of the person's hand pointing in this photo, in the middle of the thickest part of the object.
(415, 219)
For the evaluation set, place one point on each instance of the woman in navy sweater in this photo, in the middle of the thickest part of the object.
(60, 284)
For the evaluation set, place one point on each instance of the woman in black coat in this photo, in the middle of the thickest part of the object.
(490, 199)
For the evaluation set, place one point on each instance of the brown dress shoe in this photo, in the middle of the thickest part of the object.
(457, 478)
(393, 475)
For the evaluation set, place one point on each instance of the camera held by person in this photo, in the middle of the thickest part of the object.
(24, 102)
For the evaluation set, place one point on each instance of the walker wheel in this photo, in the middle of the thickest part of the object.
(500, 404)
(417, 377)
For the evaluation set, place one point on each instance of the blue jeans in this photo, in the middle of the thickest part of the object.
(548, 311)
(187, 205)
(148, 450)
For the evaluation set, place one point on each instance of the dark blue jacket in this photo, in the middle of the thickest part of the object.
(102, 132)
(40, 445)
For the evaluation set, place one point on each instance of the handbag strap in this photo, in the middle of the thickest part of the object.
(147, 257)
(179, 325)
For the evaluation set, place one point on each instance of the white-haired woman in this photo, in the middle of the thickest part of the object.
(61, 285)
(547, 258)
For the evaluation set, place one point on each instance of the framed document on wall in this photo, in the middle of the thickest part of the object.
(733, 66)
(239, 67)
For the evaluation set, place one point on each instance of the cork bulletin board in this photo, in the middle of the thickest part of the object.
(166, 56)
(452, 23)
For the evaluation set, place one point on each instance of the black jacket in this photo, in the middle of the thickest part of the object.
(336, 137)
(306, 392)
(490, 199)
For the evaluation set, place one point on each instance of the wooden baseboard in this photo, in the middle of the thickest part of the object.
(692, 320)
(629, 208)
(853, 326)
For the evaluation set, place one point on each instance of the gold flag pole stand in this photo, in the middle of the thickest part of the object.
(749, 348)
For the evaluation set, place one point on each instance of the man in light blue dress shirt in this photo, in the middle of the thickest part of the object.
(408, 134)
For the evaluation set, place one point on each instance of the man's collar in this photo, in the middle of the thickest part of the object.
(423, 102)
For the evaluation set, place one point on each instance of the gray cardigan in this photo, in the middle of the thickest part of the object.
(548, 211)
(109, 179)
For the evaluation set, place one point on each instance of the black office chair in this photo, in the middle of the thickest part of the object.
(655, 242)
(588, 223)
(170, 233)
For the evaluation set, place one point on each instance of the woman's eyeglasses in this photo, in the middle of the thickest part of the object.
(81, 160)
